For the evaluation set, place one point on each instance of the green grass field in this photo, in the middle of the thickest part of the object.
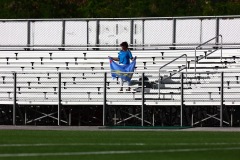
(118, 145)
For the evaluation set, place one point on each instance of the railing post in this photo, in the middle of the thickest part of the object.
(201, 31)
(143, 99)
(221, 106)
(28, 33)
(131, 32)
(104, 98)
(143, 32)
(174, 31)
(217, 30)
(14, 97)
(59, 97)
(195, 67)
(182, 100)
(87, 34)
(97, 33)
(221, 45)
(63, 32)
(159, 82)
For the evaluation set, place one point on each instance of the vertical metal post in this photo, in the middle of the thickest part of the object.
(63, 32)
(59, 98)
(222, 92)
(174, 31)
(217, 30)
(221, 45)
(97, 33)
(143, 32)
(14, 97)
(132, 31)
(201, 31)
(70, 117)
(153, 117)
(87, 34)
(195, 68)
(192, 117)
(182, 100)
(143, 99)
(25, 115)
(28, 33)
(104, 97)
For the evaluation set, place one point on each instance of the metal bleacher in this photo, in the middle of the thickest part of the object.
(82, 83)
(56, 71)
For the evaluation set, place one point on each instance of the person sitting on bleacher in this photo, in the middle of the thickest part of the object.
(124, 57)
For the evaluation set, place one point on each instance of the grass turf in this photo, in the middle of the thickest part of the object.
(161, 145)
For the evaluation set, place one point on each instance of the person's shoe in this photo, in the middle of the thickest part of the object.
(121, 89)
(129, 89)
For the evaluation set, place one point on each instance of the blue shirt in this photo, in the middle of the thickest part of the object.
(124, 57)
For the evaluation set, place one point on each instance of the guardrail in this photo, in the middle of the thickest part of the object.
(159, 79)
(212, 88)
(216, 37)
(112, 31)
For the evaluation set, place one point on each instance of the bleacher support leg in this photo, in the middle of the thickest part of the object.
(221, 106)
(59, 98)
(104, 97)
(14, 98)
(181, 109)
(143, 100)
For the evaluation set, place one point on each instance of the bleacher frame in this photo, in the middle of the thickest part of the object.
(183, 111)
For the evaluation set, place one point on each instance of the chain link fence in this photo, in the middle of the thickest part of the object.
(111, 32)
(13, 33)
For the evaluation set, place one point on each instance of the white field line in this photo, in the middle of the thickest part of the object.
(71, 144)
(117, 152)
(116, 144)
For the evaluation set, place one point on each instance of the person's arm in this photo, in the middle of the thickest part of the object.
(130, 55)
(115, 58)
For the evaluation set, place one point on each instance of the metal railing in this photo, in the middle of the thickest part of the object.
(111, 31)
(196, 60)
(159, 76)
(222, 88)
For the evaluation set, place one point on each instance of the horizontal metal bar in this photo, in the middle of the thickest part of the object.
(140, 18)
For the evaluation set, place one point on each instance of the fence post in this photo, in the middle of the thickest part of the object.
(59, 98)
(63, 33)
(87, 34)
(143, 32)
(28, 34)
(217, 30)
(131, 32)
(14, 97)
(221, 106)
(182, 100)
(201, 31)
(97, 33)
(104, 97)
(174, 32)
(143, 99)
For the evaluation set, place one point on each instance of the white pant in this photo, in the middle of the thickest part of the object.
(122, 82)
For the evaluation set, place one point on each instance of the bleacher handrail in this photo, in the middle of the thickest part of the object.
(159, 72)
(200, 45)
(98, 46)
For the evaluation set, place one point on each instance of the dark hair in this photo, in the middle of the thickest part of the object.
(124, 44)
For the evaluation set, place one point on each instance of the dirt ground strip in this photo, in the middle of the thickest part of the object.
(99, 128)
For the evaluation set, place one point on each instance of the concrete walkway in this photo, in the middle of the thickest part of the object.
(99, 128)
